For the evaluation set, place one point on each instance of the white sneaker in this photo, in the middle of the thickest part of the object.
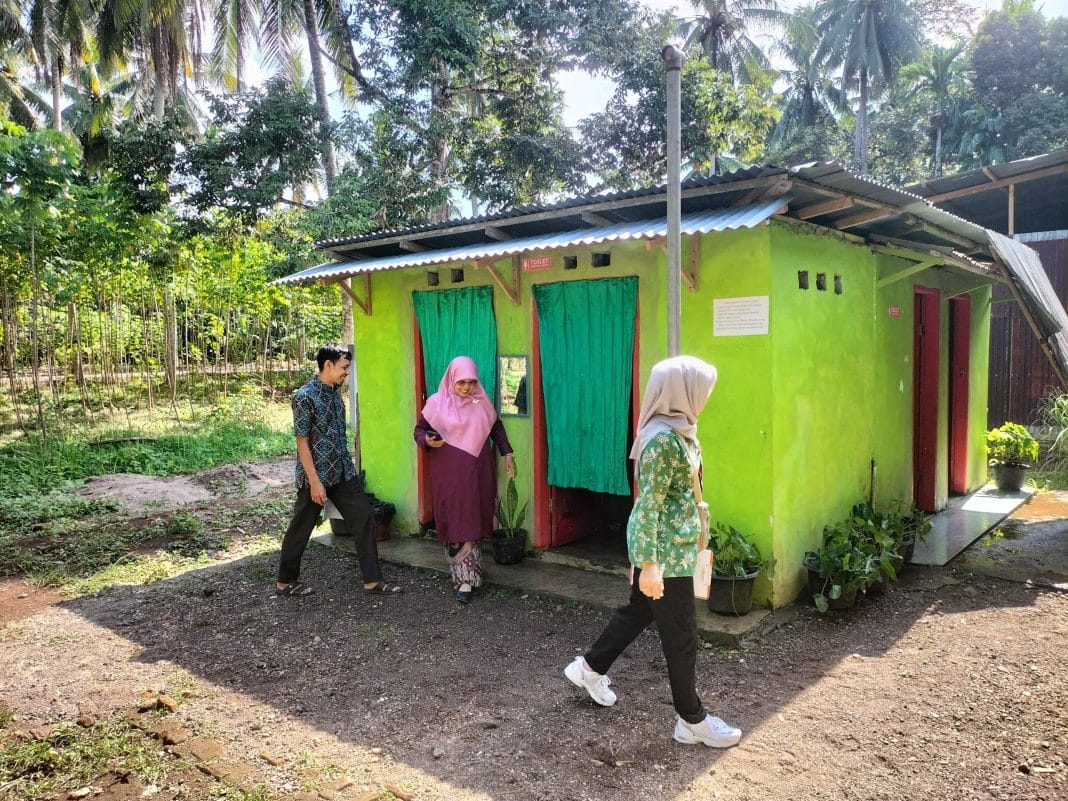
(591, 681)
(711, 731)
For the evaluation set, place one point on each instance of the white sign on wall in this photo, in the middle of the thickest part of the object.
(740, 317)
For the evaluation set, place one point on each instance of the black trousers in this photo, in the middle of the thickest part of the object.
(676, 621)
(352, 502)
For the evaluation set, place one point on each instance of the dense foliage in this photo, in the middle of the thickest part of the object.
(151, 189)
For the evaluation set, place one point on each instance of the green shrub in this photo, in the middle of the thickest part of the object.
(1011, 445)
(734, 554)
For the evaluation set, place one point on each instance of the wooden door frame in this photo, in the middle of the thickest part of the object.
(541, 492)
(960, 335)
(424, 491)
(925, 380)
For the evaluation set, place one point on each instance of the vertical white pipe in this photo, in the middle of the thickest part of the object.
(672, 58)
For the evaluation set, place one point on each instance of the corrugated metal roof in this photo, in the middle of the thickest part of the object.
(703, 222)
(574, 202)
(1036, 292)
(990, 174)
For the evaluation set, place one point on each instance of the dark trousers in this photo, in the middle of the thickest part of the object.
(676, 621)
(352, 502)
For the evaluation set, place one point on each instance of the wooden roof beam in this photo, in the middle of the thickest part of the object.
(864, 217)
(998, 184)
(412, 247)
(826, 207)
(343, 283)
(595, 220)
(497, 234)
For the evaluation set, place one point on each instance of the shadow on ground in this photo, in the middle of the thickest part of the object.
(473, 697)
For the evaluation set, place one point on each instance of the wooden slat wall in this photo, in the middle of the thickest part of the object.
(1020, 373)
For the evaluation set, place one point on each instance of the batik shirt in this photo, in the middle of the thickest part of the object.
(319, 415)
(664, 526)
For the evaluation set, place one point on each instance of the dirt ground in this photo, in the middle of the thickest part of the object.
(953, 685)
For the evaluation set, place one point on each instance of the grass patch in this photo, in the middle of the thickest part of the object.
(35, 466)
(58, 539)
(72, 757)
(1048, 479)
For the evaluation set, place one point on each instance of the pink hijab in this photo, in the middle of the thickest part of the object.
(464, 423)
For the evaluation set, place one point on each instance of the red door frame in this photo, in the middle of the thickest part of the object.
(925, 375)
(425, 491)
(960, 340)
(542, 493)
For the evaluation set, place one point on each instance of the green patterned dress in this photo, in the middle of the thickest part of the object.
(664, 526)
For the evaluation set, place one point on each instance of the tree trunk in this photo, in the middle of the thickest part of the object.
(170, 338)
(311, 28)
(938, 152)
(35, 353)
(239, 63)
(10, 347)
(57, 89)
(439, 110)
(159, 96)
(860, 148)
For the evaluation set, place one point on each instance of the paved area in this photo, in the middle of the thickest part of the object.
(1030, 547)
(964, 520)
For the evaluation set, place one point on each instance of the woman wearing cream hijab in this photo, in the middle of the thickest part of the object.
(662, 541)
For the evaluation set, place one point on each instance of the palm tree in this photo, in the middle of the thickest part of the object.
(810, 95)
(235, 26)
(163, 36)
(871, 40)
(722, 30)
(281, 18)
(941, 76)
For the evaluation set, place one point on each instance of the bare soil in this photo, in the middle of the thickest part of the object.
(952, 685)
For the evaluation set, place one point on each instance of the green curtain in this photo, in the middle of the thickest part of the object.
(587, 345)
(458, 322)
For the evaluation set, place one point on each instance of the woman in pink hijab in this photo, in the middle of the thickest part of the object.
(455, 428)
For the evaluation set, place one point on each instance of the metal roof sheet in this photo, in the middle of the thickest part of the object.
(574, 202)
(702, 222)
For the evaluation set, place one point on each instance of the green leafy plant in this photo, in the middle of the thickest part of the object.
(1011, 445)
(734, 554)
(510, 515)
(1052, 415)
(843, 563)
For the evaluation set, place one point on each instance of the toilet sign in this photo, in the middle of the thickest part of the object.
(894, 311)
(531, 263)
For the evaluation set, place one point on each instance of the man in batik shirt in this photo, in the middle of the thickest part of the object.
(325, 470)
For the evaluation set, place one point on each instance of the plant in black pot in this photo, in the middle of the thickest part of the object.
(874, 536)
(1012, 451)
(839, 569)
(509, 541)
(736, 565)
(908, 528)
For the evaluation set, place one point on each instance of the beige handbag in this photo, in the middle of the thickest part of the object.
(702, 572)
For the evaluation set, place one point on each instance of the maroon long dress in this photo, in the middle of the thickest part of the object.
(464, 486)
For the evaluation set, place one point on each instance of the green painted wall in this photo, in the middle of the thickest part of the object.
(385, 358)
(822, 386)
(736, 428)
(796, 416)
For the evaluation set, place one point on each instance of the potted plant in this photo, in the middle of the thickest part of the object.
(736, 565)
(873, 537)
(509, 540)
(1012, 451)
(840, 568)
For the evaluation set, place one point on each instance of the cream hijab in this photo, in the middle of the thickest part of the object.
(677, 391)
